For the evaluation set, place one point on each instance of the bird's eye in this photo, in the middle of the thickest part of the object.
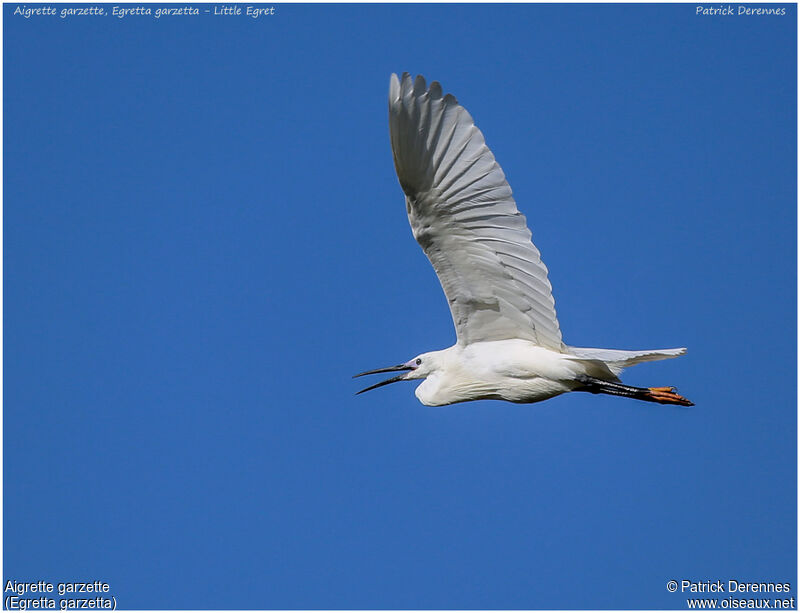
(418, 362)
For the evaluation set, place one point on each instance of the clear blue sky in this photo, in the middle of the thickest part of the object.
(205, 238)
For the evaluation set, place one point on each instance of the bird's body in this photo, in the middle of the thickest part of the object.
(514, 370)
(464, 217)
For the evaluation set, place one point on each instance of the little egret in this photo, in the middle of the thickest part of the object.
(463, 216)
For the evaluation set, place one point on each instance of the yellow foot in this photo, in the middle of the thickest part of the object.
(667, 395)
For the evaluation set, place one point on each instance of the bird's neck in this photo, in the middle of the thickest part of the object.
(447, 383)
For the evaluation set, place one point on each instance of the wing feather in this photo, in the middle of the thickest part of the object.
(464, 216)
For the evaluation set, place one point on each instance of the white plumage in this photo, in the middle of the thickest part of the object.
(464, 217)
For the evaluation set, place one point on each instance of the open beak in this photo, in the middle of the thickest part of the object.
(400, 377)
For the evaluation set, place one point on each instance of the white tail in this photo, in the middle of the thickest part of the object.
(619, 359)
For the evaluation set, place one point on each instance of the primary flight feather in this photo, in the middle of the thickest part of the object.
(465, 219)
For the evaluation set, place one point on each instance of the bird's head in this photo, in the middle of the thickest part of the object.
(416, 368)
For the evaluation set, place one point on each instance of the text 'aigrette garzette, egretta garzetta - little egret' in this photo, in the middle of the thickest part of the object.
(462, 213)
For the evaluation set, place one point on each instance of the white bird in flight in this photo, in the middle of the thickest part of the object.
(463, 216)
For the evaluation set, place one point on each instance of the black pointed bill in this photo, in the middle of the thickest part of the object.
(387, 369)
(401, 377)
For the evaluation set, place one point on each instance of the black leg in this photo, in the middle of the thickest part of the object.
(662, 395)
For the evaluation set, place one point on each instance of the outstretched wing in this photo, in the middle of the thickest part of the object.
(463, 215)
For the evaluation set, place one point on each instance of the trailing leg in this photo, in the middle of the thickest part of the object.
(662, 395)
